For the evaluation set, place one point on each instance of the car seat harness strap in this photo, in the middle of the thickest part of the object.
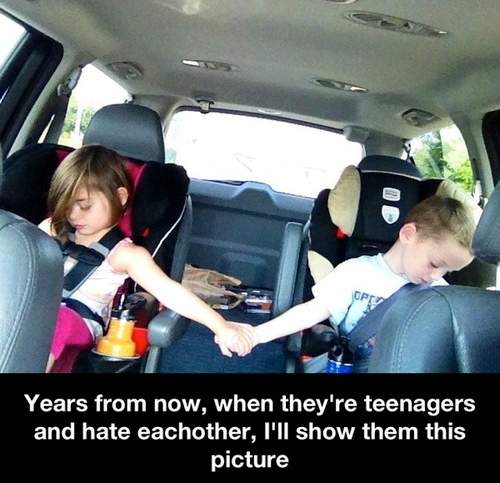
(88, 259)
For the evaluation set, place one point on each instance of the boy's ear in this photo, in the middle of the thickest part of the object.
(123, 195)
(407, 232)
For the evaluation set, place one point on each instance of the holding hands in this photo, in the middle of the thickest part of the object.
(236, 337)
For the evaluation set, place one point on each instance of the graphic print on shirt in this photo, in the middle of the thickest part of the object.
(371, 300)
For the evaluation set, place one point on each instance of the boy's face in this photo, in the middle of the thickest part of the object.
(426, 260)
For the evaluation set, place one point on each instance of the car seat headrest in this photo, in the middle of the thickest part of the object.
(486, 241)
(343, 200)
(390, 164)
(372, 205)
(449, 189)
(158, 194)
(133, 131)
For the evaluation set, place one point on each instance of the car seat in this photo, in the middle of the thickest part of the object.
(362, 215)
(159, 217)
(447, 329)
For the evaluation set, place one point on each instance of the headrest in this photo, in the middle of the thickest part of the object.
(372, 205)
(390, 164)
(133, 131)
(486, 242)
(159, 190)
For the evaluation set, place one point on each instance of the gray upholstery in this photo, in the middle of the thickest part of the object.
(284, 287)
(31, 277)
(447, 329)
(486, 243)
(133, 131)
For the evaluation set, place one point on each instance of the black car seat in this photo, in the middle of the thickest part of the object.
(447, 329)
(361, 215)
(31, 277)
(342, 227)
(160, 214)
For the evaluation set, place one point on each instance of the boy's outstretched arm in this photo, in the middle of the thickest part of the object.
(294, 320)
(297, 318)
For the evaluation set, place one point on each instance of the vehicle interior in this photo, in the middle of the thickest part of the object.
(267, 106)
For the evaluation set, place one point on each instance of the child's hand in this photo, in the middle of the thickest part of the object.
(236, 337)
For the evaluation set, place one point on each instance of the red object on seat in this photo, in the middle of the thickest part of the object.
(340, 235)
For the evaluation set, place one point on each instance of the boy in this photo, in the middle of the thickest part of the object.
(435, 239)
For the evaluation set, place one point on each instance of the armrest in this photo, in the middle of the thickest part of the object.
(167, 327)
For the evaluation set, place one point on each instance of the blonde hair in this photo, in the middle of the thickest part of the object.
(437, 217)
(94, 168)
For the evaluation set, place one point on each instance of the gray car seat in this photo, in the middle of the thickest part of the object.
(31, 277)
(447, 329)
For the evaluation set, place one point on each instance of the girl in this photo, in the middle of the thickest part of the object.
(90, 192)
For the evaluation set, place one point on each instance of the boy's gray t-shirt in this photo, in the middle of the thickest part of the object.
(356, 286)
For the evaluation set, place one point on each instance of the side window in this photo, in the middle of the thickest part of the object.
(94, 90)
(291, 158)
(443, 154)
(12, 33)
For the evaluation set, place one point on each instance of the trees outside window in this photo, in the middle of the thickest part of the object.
(443, 154)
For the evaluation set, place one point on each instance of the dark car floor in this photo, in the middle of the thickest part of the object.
(196, 351)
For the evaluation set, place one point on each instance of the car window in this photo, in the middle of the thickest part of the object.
(291, 158)
(94, 90)
(444, 154)
(12, 34)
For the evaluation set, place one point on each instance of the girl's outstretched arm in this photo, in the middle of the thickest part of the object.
(140, 266)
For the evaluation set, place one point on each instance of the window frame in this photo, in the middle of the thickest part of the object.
(24, 75)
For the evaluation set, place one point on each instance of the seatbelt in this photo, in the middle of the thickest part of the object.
(63, 95)
(81, 309)
(89, 258)
(369, 325)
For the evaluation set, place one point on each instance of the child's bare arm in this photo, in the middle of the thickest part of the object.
(297, 318)
(240, 338)
(139, 265)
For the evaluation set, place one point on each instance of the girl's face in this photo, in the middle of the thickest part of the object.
(90, 213)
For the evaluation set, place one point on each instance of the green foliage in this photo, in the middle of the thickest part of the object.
(443, 154)
(71, 118)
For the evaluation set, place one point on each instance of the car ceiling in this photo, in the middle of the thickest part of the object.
(281, 45)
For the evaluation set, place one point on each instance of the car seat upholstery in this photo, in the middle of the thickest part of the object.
(447, 329)
(159, 217)
(31, 274)
(362, 215)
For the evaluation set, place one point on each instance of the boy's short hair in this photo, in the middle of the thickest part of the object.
(436, 217)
